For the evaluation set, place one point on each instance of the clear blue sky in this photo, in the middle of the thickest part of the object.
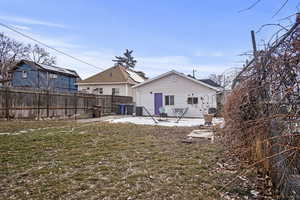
(165, 35)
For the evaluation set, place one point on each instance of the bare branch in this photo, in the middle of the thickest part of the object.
(265, 25)
(250, 7)
(40, 55)
(282, 6)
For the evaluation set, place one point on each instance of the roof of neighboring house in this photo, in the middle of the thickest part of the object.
(179, 74)
(210, 82)
(116, 74)
(49, 68)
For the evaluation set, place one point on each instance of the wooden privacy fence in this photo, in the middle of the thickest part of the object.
(36, 104)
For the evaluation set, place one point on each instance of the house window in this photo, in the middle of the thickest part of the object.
(52, 76)
(169, 100)
(115, 91)
(98, 90)
(192, 100)
(24, 74)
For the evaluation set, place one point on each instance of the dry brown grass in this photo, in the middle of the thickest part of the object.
(108, 161)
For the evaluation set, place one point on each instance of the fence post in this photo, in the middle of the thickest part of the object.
(6, 103)
(75, 105)
(66, 105)
(39, 93)
(112, 101)
(48, 101)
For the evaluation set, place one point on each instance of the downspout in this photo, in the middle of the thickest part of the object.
(48, 80)
(126, 89)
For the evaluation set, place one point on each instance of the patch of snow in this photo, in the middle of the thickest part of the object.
(201, 134)
(9, 134)
(254, 193)
(170, 122)
(59, 69)
(5, 133)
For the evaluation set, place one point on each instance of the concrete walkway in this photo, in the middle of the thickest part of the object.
(101, 119)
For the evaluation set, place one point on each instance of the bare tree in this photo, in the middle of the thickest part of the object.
(225, 79)
(10, 52)
(284, 3)
(127, 60)
(216, 78)
(40, 55)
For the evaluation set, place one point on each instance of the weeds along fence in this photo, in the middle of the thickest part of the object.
(262, 113)
(21, 103)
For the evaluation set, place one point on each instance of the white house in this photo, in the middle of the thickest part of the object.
(176, 92)
(117, 80)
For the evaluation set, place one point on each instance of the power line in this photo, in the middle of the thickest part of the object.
(44, 44)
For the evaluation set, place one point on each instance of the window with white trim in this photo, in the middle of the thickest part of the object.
(53, 76)
(98, 90)
(24, 74)
(115, 91)
(169, 100)
(192, 100)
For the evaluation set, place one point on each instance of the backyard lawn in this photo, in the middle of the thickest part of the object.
(68, 160)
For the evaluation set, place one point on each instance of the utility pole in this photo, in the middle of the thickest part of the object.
(254, 45)
(254, 49)
(194, 71)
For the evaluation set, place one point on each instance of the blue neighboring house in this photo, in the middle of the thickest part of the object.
(33, 75)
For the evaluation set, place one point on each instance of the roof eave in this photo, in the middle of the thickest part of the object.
(177, 73)
(41, 67)
(102, 83)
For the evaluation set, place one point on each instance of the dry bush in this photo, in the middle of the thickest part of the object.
(262, 113)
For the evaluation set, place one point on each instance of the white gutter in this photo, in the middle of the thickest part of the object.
(103, 83)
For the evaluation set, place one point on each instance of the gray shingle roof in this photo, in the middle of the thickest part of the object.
(50, 68)
(210, 82)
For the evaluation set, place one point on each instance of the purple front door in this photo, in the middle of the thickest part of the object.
(158, 102)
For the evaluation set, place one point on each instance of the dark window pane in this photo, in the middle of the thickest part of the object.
(115, 91)
(171, 100)
(195, 100)
(167, 100)
(190, 100)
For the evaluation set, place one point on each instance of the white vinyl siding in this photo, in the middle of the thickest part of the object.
(201, 97)
(124, 89)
